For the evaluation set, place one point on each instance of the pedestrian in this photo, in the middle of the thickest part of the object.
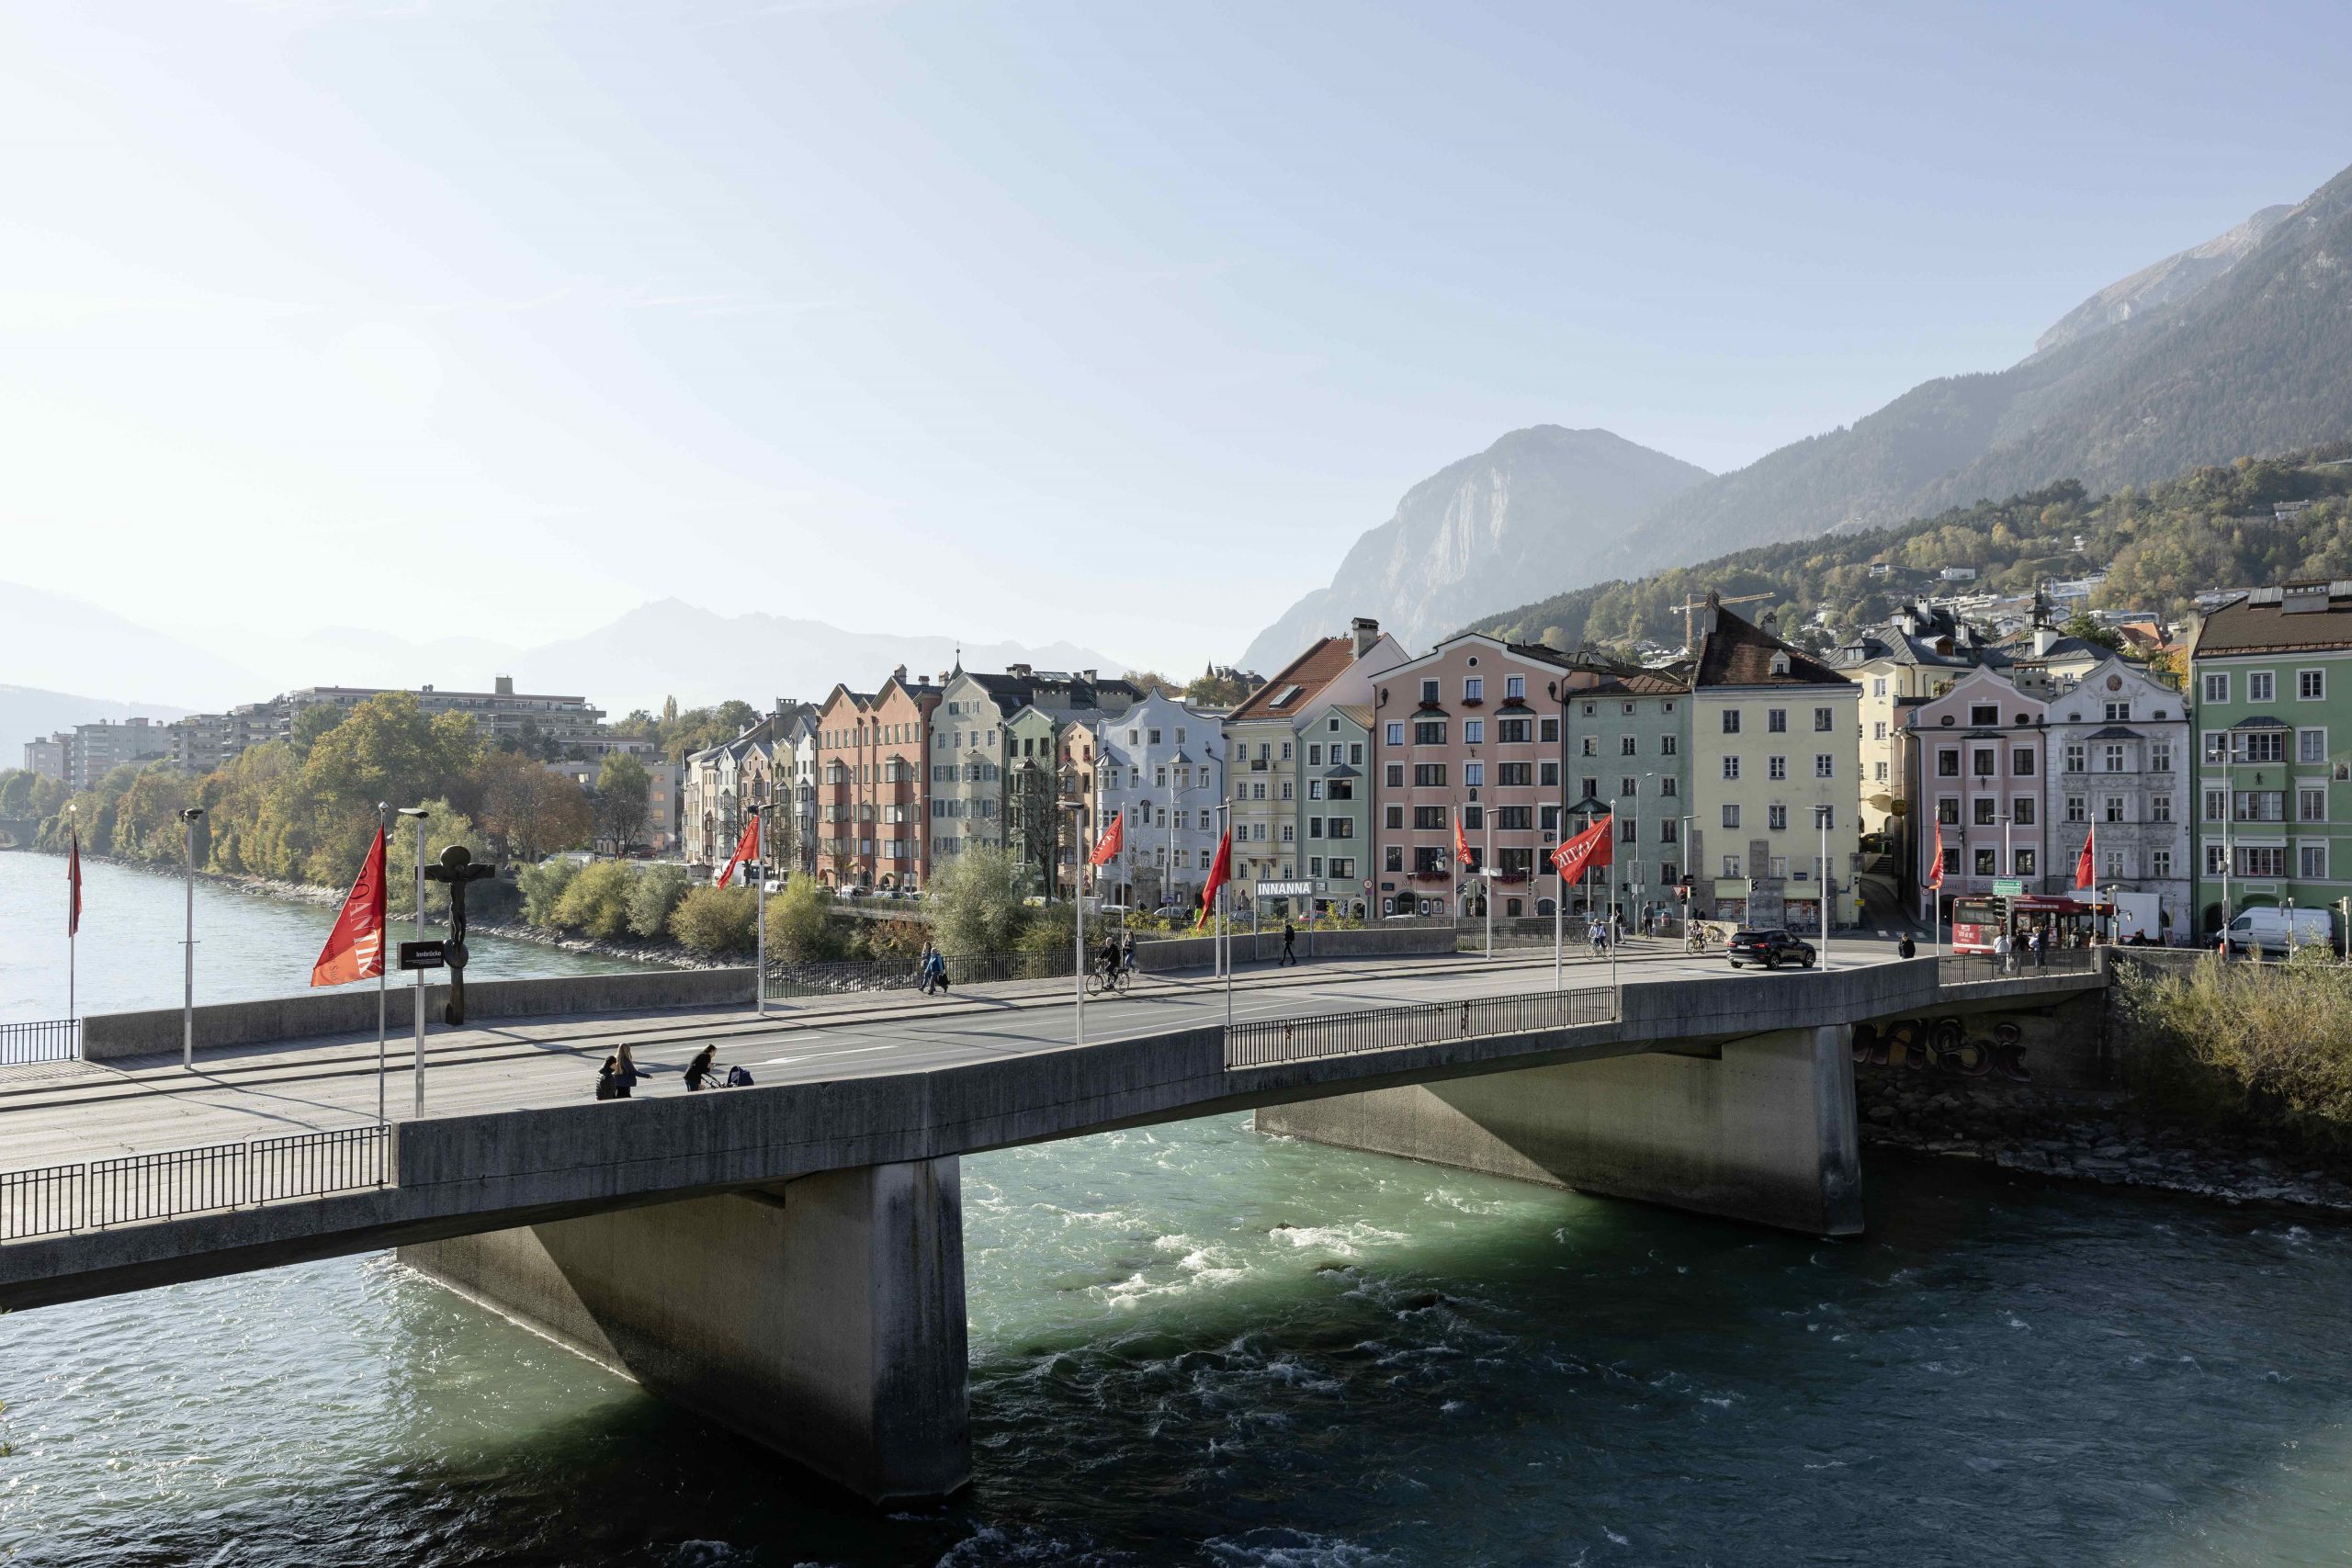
(2001, 951)
(1906, 948)
(1127, 952)
(624, 1073)
(700, 1070)
(1290, 945)
(608, 1086)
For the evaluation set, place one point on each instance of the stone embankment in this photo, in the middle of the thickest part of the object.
(2083, 1135)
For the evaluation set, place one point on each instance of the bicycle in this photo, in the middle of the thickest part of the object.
(1696, 942)
(1098, 983)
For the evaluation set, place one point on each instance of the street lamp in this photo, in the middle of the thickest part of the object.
(418, 814)
(1828, 883)
(187, 947)
(1078, 968)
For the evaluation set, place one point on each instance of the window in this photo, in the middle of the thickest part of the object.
(1985, 865)
(2217, 860)
(1776, 721)
(2314, 860)
(1776, 817)
(1473, 689)
(2022, 810)
(1731, 721)
(1986, 810)
(1628, 787)
(1548, 774)
(1287, 789)
(1824, 720)
(2311, 685)
(2160, 863)
(1731, 814)
(1948, 810)
(1667, 786)
(1396, 734)
(2311, 805)
(2077, 756)
(2020, 762)
(2259, 805)
(1429, 732)
(2217, 688)
(1511, 731)
(2118, 713)
(2078, 808)
(1290, 834)
(2311, 745)
(1513, 819)
(2160, 757)
(1514, 687)
(1512, 774)
(1392, 816)
(1591, 746)
(2024, 866)
(2263, 746)
(2112, 757)
(1878, 730)
(1627, 746)
(1951, 858)
(1474, 774)
(1429, 819)
(1314, 863)
(1343, 865)
(1550, 815)
(1669, 830)
(1668, 745)
(2261, 686)
(1314, 755)
(1947, 764)
(1780, 864)
(2217, 804)
(2114, 808)
(1776, 767)
(1730, 863)
(1548, 731)
(1428, 691)
(1730, 768)
(2261, 859)
(1428, 775)
(2159, 809)
(1982, 761)
(1394, 775)
(1878, 685)
(1473, 732)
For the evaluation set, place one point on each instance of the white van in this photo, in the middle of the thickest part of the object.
(2267, 931)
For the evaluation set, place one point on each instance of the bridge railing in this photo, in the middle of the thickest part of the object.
(1273, 1042)
(1976, 968)
(55, 1199)
(46, 1040)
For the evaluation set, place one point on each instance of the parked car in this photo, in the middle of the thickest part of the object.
(2267, 931)
(1769, 949)
(1175, 911)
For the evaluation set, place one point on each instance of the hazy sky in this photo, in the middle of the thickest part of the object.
(1112, 321)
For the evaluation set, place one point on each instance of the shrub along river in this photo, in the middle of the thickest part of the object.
(1191, 1344)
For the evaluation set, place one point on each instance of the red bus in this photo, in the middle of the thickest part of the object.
(1975, 922)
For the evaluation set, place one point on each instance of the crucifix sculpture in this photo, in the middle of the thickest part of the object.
(457, 869)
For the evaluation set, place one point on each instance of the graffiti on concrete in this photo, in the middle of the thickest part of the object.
(1946, 1045)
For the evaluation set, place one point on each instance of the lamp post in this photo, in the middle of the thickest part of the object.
(1078, 899)
(1224, 938)
(1828, 883)
(383, 964)
(418, 813)
(187, 946)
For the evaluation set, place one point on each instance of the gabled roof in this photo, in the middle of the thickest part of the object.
(2261, 623)
(1287, 695)
(1733, 652)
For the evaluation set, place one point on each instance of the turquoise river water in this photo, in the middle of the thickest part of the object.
(1195, 1344)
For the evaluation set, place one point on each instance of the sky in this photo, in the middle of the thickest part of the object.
(1115, 322)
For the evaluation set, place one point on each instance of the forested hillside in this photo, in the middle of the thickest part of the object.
(2161, 546)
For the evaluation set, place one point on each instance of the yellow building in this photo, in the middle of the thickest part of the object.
(1773, 765)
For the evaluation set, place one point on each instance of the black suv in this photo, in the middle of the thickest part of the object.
(1770, 949)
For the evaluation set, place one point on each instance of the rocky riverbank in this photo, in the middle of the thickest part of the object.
(2085, 1135)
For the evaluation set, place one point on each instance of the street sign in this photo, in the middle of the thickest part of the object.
(2008, 888)
(1286, 889)
(423, 955)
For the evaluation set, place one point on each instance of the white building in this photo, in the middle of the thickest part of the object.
(1162, 764)
(2118, 750)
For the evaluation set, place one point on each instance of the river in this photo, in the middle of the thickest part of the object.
(1194, 1345)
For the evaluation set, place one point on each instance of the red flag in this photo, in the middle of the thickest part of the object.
(1219, 869)
(2084, 876)
(747, 848)
(355, 949)
(74, 887)
(1588, 851)
(1461, 844)
(1936, 869)
(1107, 849)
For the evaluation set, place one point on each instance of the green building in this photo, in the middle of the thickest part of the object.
(2270, 673)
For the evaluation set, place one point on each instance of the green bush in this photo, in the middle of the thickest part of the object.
(2256, 1047)
(715, 919)
(975, 903)
(543, 888)
(655, 898)
(800, 923)
(596, 903)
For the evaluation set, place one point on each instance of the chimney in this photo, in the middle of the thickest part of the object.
(1087, 676)
(899, 674)
(2044, 638)
(504, 685)
(1365, 631)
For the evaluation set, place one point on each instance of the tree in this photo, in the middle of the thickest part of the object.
(596, 903)
(543, 886)
(311, 722)
(655, 898)
(2081, 626)
(975, 902)
(623, 799)
(1218, 691)
(715, 919)
(529, 810)
(800, 922)
(443, 825)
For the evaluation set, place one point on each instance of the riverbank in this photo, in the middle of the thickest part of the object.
(662, 956)
(2091, 1136)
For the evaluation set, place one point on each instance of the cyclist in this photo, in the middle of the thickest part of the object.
(1108, 964)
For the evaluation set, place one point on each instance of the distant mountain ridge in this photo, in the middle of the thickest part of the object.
(2175, 277)
(1478, 531)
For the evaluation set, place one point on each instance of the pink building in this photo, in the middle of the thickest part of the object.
(1979, 761)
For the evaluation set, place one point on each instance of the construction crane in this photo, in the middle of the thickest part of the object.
(1688, 605)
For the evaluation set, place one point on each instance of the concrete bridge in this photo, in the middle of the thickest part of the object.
(787, 1260)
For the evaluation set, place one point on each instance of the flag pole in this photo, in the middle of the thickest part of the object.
(760, 908)
(1616, 997)
(383, 970)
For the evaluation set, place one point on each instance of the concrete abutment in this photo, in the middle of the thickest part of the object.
(823, 1319)
(1764, 1131)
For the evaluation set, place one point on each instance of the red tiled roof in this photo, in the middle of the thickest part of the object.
(1310, 672)
(1737, 653)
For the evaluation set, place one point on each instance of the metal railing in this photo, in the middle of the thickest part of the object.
(1276, 1040)
(1976, 968)
(55, 1199)
(49, 1040)
(837, 976)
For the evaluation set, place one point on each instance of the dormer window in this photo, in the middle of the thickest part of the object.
(1779, 664)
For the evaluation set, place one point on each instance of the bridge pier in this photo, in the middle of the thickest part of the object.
(1762, 1129)
(823, 1318)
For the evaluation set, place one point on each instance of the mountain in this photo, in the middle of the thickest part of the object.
(28, 713)
(51, 643)
(671, 648)
(2243, 347)
(2174, 277)
(1479, 533)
